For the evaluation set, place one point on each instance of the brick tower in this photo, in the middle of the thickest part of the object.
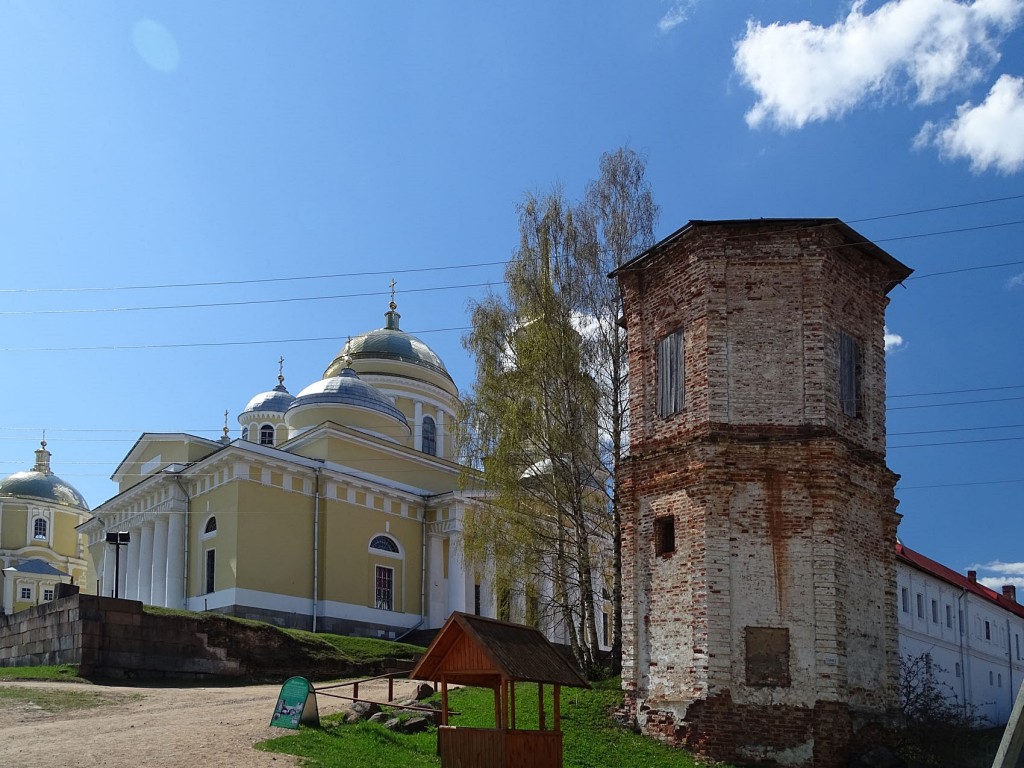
(759, 521)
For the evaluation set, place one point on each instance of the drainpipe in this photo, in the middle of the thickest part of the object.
(963, 624)
(188, 510)
(1009, 663)
(316, 540)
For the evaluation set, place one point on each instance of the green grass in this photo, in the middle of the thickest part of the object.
(65, 672)
(591, 739)
(56, 701)
(354, 649)
(362, 649)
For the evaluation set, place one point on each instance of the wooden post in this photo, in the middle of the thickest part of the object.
(391, 687)
(444, 700)
(504, 704)
(512, 703)
(558, 707)
(497, 706)
(540, 706)
(1013, 736)
(355, 690)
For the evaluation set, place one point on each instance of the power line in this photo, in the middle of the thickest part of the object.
(502, 262)
(189, 345)
(957, 391)
(957, 429)
(957, 485)
(248, 302)
(962, 402)
(956, 442)
(256, 281)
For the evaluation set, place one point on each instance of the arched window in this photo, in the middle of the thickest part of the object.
(211, 525)
(245, 433)
(267, 434)
(39, 529)
(429, 436)
(384, 543)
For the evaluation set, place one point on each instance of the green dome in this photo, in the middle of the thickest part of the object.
(389, 344)
(41, 484)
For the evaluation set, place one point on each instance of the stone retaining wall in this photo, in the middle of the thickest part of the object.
(106, 637)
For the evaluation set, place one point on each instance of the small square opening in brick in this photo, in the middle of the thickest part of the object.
(664, 535)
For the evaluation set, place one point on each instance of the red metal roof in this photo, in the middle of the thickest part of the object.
(922, 563)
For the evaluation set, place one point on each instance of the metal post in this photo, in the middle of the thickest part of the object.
(118, 539)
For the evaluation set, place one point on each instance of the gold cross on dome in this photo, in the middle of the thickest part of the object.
(392, 285)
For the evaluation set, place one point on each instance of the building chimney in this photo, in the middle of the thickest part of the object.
(1010, 592)
(972, 575)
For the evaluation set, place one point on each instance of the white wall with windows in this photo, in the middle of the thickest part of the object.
(973, 636)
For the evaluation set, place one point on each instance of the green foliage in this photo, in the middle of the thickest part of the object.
(65, 672)
(939, 729)
(591, 738)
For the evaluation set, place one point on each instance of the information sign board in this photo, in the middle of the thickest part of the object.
(296, 704)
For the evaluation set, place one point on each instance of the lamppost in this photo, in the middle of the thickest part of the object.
(118, 539)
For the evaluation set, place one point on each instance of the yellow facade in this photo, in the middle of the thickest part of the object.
(325, 514)
(40, 546)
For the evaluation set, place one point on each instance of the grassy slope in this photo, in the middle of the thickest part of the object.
(592, 740)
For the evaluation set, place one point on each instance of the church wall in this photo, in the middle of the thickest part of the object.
(274, 529)
(13, 525)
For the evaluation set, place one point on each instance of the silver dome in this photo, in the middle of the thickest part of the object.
(276, 400)
(347, 389)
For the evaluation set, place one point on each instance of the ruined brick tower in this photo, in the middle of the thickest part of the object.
(759, 521)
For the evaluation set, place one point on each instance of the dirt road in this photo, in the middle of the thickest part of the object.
(142, 726)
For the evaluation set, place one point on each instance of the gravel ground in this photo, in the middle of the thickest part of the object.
(155, 727)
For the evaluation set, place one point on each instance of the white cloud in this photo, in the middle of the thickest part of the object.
(676, 15)
(802, 72)
(999, 567)
(990, 134)
(1016, 281)
(893, 341)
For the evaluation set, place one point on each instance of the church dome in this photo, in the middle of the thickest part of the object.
(347, 400)
(390, 350)
(40, 484)
(276, 400)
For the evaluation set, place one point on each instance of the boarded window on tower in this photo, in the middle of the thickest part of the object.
(849, 375)
(767, 656)
(671, 374)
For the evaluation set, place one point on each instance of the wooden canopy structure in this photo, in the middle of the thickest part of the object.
(485, 653)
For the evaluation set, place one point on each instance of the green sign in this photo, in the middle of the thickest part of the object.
(296, 704)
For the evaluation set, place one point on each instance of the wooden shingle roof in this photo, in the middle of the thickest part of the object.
(473, 650)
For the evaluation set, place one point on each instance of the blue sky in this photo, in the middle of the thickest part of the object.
(202, 144)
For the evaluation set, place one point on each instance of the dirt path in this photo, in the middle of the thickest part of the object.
(155, 727)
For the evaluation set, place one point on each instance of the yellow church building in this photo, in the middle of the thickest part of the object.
(39, 544)
(339, 508)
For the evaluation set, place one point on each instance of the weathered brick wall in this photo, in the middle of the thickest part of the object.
(783, 507)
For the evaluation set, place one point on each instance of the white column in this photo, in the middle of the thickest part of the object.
(460, 584)
(146, 563)
(417, 426)
(131, 565)
(175, 560)
(438, 591)
(159, 590)
(107, 583)
(439, 423)
(8, 592)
